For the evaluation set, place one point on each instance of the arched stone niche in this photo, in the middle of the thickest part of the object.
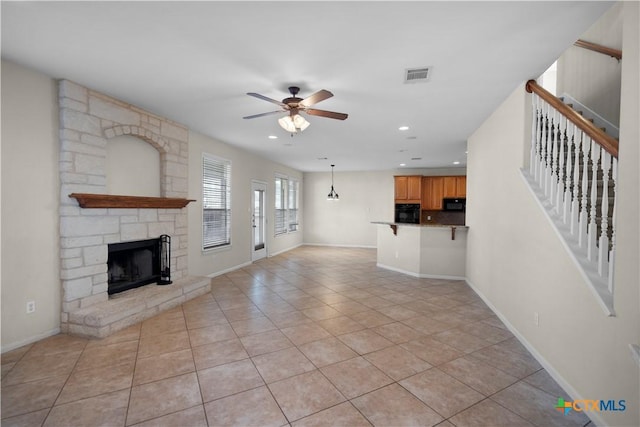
(132, 167)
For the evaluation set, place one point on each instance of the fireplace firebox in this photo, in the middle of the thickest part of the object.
(138, 263)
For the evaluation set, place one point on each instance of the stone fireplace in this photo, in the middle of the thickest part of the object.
(138, 263)
(91, 219)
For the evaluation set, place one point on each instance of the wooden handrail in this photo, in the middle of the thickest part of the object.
(607, 142)
(615, 53)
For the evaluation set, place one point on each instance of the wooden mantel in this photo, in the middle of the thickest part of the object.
(111, 201)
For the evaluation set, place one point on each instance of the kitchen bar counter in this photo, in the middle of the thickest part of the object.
(423, 250)
(394, 226)
(420, 225)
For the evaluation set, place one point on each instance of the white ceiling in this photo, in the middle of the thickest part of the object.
(193, 62)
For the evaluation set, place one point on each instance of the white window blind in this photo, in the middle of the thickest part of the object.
(293, 205)
(286, 205)
(216, 202)
(280, 206)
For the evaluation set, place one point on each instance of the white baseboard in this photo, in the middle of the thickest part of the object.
(341, 246)
(421, 276)
(285, 250)
(229, 270)
(573, 393)
(30, 340)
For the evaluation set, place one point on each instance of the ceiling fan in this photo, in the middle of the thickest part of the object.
(293, 105)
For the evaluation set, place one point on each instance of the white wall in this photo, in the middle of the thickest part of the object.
(30, 194)
(364, 197)
(586, 350)
(245, 167)
(591, 77)
(30, 261)
(628, 238)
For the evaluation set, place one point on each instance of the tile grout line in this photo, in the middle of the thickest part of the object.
(65, 382)
(135, 365)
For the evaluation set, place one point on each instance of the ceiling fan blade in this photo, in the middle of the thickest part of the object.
(325, 113)
(257, 95)
(320, 95)
(264, 114)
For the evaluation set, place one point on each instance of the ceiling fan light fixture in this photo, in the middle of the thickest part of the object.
(300, 122)
(293, 124)
(286, 123)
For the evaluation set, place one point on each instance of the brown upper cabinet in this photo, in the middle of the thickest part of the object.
(455, 186)
(408, 189)
(435, 188)
(432, 192)
(461, 186)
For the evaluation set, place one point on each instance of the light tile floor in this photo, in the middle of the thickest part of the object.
(315, 336)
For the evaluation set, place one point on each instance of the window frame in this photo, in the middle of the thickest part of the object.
(227, 165)
(295, 207)
(284, 226)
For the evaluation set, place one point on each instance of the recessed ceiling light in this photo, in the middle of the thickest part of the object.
(403, 128)
(456, 163)
(403, 164)
(272, 137)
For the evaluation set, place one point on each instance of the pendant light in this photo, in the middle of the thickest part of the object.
(333, 196)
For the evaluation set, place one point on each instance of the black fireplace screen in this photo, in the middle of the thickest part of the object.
(134, 264)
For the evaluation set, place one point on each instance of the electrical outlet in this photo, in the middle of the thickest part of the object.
(31, 306)
(536, 318)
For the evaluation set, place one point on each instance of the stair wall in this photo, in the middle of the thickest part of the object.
(519, 266)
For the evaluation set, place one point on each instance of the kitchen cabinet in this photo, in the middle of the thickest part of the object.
(401, 186)
(432, 192)
(435, 188)
(455, 186)
(461, 186)
(408, 189)
(414, 188)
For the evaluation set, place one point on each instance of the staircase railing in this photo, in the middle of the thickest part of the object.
(573, 171)
(614, 53)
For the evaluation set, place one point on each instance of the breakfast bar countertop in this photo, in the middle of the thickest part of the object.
(420, 225)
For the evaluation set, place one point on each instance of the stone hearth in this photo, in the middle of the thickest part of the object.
(88, 120)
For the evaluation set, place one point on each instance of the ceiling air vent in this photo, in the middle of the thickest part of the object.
(416, 75)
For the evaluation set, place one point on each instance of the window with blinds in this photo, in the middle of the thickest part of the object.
(280, 213)
(216, 202)
(286, 205)
(292, 206)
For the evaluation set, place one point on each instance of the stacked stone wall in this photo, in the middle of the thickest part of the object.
(88, 120)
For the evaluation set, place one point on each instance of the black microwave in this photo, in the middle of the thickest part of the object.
(454, 205)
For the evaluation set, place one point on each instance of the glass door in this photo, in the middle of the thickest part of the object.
(258, 220)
